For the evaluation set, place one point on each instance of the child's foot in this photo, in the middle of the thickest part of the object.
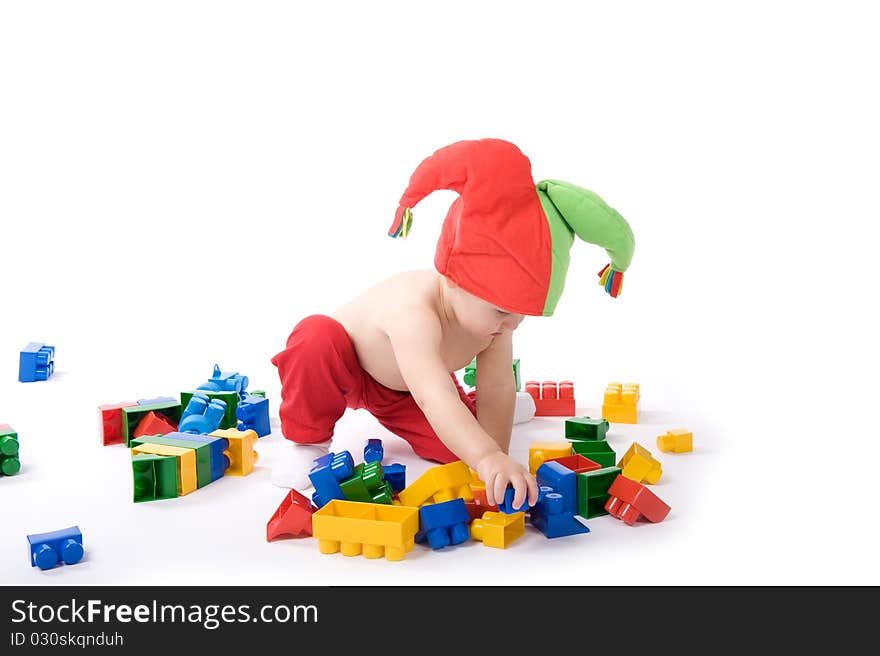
(293, 471)
(524, 410)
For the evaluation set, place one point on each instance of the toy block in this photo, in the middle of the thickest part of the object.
(202, 450)
(152, 424)
(621, 403)
(253, 414)
(367, 484)
(373, 450)
(483, 503)
(470, 374)
(111, 422)
(628, 500)
(218, 448)
(639, 465)
(327, 473)
(170, 410)
(597, 451)
(593, 491)
(49, 549)
(241, 453)
(260, 393)
(155, 477)
(443, 524)
(576, 463)
(370, 529)
(677, 440)
(395, 474)
(552, 400)
(293, 518)
(550, 517)
(157, 400)
(586, 428)
(232, 399)
(36, 361)
(506, 506)
(541, 451)
(476, 483)
(9, 458)
(439, 484)
(561, 480)
(497, 529)
(187, 478)
(202, 415)
(225, 381)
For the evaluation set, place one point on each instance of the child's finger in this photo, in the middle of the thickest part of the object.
(533, 490)
(490, 490)
(520, 490)
(500, 487)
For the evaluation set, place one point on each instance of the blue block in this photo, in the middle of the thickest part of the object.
(219, 461)
(442, 524)
(395, 474)
(225, 381)
(327, 472)
(48, 549)
(550, 518)
(252, 413)
(36, 362)
(506, 506)
(202, 415)
(158, 400)
(373, 451)
(562, 480)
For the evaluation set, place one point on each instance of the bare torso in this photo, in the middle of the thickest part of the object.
(366, 318)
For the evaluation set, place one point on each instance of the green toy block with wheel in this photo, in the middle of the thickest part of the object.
(203, 454)
(231, 398)
(155, 477)
(131, 415)
(470, 373)
(586, 428)
(367, 484)
(592, 487)
(596, 450)
(9, 462)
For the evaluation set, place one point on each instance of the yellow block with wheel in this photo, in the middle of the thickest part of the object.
(241, 454)
(371, 529)
(187, 475)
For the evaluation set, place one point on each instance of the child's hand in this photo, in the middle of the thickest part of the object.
(499, 470)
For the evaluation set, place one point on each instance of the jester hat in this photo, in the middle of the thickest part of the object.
(506, 239)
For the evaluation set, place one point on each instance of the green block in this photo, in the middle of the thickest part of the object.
(516, 373)
(229, 419)
(9, 462)
(260, 393)
(203, 454)
(596, 450)
(9, 465)
(155, 477)
(593, 491)
(367, 484)
(586, 428)
(470, 374)
(132, 415)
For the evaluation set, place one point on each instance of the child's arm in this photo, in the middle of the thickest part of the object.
(496, 395)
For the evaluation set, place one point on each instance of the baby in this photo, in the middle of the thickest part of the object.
(503, 253)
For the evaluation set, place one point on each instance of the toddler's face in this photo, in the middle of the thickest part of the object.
(480, 317)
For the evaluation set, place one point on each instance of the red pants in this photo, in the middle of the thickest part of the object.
(321, 377)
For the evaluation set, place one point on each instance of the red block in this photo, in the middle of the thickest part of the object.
(576, 463)
(481, 501)
(293, 518)
(552, 400)
(153, 423)
(111, 422)
(629, 500)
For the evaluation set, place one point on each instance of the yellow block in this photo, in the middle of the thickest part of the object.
(476, 483)
(639, 465)
(439, 484)
(187, 477)
(539, 452)
(677, 440)
(241, 454)
(371, 529)
(621, 403)
(498, 529)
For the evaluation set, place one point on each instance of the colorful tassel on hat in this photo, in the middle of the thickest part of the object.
(611, 280)
(402, 223)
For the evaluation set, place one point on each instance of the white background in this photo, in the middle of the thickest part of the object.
(180, 182)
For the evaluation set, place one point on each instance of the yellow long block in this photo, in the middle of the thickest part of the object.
(498, 529)
(677, 440)
(540, 452)
(371, 529)
(241, 453)
(639, 465)
(439, 484)
(187, 476)
(621, 403)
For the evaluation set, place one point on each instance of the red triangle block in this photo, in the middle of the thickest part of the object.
(153, 424)
(293, 518)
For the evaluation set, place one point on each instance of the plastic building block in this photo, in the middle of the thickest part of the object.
(561, 480)
(373, 450)
(260, 393)
(677, 440)
(202, 451)
(550, 517)
(443, 524)
(586, 428)
(476, 483)
(541, 451)
(497, 529)
(470, 374)
(628, 500)
(327, 473)
(49, 549)
(439, 484)
(367, 484)
(252, 413)
(232, 399)
(111, 422)
(371, 529)
(225, 381)
(36, 362)
(241, 453)
(395, 474)
(639, 465)
(157, 400)
(576, 463)
(155, 477)
(552, 399)
(597, 451)
(187, 477)
(202, 415)
(593, 491)
(218, 448)
(9, 460)
(621, 403)
(170, 410)
(152, 424)
(506, 506)
(293, 518)
(481, 500)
